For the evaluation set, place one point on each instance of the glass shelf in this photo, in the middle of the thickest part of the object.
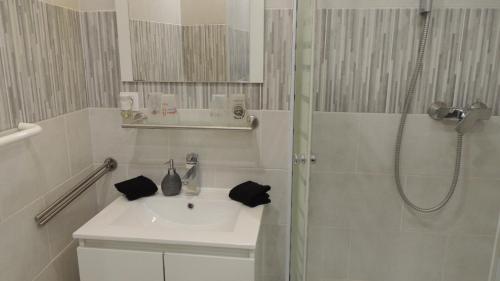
(249, 123)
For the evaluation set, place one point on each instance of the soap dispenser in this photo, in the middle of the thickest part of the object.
(171, 184)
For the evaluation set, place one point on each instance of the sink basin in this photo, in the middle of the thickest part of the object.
(181, 213)
(210, 219)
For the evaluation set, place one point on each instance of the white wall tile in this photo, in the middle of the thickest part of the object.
(335, 141)
(31, 167)
(329, 200)
(63, 268)
(468, 258)
(394, 243)
(482, 150)
(372, 255)
(354, 201)
(222, 148)
(62, 226)
(472, 210)
(275, 149)
(377, 136)
(24, 247)
(149, 147)
(79, 140)
(21, 180)
(419, 257)
(270, 253)
(49, 151)
(322, 264)
(393, 256)
(108, 138)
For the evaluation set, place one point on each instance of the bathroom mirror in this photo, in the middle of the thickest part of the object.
(191, 40)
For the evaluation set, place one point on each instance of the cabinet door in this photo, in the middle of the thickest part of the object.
(119, 265)
(186, 267)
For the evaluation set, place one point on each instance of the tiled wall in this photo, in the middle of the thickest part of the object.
(33, 173)
(365, 57)
(42, 69)
(194, 53)
(56, 60)
(101, 48)
(227, 159)
(359, 228)
(152, 45)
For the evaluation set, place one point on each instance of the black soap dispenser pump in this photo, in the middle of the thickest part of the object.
(171, 184)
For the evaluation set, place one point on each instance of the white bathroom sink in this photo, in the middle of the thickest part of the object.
(181, 213)
(210, 219)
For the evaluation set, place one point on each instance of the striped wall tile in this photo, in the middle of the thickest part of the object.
(364, 58)
(238, 54)
(6, 116)
(175, 53)
(55, 60)
(156, 51)
(102, 63)
(277, 59)
(204, 48)
(42, 62)
(191, 95)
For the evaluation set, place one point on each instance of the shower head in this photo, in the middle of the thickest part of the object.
(425, 6)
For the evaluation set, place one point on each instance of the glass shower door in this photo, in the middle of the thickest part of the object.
(302, 136)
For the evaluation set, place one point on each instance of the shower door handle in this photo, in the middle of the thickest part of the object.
(300, 159)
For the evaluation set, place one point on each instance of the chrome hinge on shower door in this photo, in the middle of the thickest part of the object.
(299, 159)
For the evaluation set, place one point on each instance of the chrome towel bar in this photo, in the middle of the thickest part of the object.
(51, 211)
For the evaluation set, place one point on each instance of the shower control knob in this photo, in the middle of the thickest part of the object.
(438, 110)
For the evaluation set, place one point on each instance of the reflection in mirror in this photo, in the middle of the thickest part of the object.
(195, 40)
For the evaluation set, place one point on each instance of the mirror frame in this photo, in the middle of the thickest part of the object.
(257, 10)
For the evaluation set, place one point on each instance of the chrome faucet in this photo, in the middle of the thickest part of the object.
(191, 179)
(466, 117)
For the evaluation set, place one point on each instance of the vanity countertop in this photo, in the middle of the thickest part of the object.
(210, 219)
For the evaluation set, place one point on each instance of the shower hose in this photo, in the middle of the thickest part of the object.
(406, 107)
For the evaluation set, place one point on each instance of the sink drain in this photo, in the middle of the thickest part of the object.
(190, 206)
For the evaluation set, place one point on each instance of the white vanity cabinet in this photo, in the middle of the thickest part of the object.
(123, 265)
(188, 267)
(101, 264)
(181, 238)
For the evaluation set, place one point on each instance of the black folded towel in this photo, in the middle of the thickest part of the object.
(251, 194)
(137, 188)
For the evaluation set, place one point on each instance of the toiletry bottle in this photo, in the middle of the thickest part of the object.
(171, 184)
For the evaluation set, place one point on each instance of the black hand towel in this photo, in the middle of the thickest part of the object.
(137, 188)
(251, 194)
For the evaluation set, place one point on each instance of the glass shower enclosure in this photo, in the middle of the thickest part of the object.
(354, 61)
